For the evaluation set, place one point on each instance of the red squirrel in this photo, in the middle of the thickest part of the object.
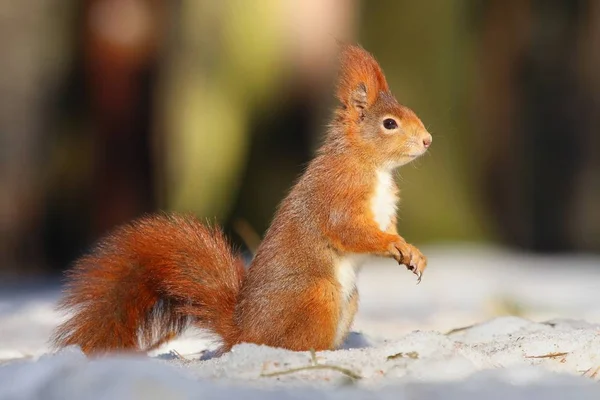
(146, 281)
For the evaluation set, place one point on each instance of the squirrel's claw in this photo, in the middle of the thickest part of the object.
(419, 275)
(416, 271)
(412, 259)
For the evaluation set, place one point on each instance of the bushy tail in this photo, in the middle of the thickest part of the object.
(146, 281)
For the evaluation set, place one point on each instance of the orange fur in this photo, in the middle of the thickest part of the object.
(358, 66)
(146, 281)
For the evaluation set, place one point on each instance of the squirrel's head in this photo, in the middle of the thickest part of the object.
(372, 117)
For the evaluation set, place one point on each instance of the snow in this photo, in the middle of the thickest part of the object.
(450, 337)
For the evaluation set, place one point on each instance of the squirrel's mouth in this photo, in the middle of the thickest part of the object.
(418, 154)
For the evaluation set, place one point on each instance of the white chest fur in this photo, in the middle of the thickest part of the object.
(346, 273)
(383, 203)
(383, 206)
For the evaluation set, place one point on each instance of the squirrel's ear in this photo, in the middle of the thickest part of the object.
(360, 79)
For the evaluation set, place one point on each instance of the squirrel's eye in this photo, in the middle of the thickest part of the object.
(390, 123)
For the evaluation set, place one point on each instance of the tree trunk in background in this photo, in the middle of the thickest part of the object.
(101, 165)
(121, 40)
(585, 221)
(534, 106)
(33, 49)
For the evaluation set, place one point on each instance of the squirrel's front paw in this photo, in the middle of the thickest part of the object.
(414, 260)
(395, 249)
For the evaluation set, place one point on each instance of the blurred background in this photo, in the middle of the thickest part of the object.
(110, 109)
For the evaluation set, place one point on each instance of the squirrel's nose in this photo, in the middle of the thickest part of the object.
(427, 141)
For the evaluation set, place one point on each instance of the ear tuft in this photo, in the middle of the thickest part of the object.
(360, 78)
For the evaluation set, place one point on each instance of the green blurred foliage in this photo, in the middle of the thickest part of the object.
(424, 48)
(116, 108)
(226, 62)
(222, 66)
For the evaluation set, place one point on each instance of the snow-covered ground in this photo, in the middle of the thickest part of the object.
(449, 337)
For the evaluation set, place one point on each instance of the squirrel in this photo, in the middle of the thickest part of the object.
(145, 282)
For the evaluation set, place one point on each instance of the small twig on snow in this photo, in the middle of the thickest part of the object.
(345, 371)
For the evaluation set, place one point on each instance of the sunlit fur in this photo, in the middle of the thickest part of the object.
(143, 283)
